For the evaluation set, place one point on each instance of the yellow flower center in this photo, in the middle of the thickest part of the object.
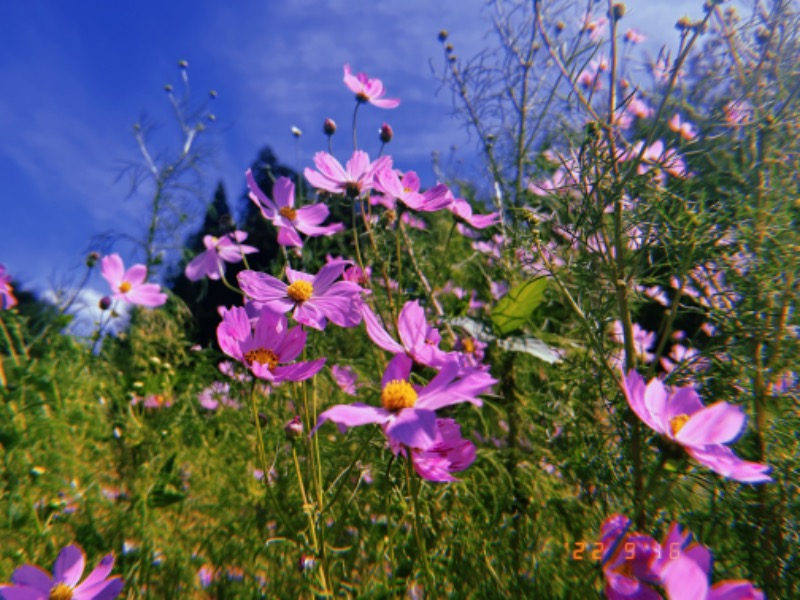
(677, 423)
(60, 592)
(406, 190)
(469, 345)
(125, 287)
(398, 394)
(288, 212)
(300, 291)
(262, 356)
(352, 189)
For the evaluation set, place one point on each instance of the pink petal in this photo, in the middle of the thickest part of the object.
(358, 165)
(683, 578)
(266, 205)
(311, 215)
(298, 371)
(377, 333)
(385, 102)
(69, 566)
(327, 275)
(135, 275)
(35, 577)
(99, 574)
(412, 325)
(147, 294)
(413, 427)
(735, 590)
(112, 269)
(353, 415)
(103, 590)
(288, 236)
(716, 424)
(262, 287)
(399, 368)
(204, 264)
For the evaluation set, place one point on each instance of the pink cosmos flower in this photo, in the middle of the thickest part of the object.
(405, 188)
(129, 285)
(353, 180)
(211, 262)
(368, 90)
(153, 401)
(680, 416)
(285, 217)
(29, 582)
(418, 340)
(463, 211)
(686, 574)
(633, 562)
(634, 36)
(449, 453)
(265, 344)
(345, 378)
(7, 299)
(315, 299)
(627, 561)
(684, 128)
(216, 395)
(642, 342)
(408, 413)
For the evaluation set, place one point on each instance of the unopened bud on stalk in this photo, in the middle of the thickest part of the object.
(296, 132)
(294, 429)
(560, 26)
(386, 133)
(105, 303)
(262, 419)
(92, 258)
(448, 48)
(329, 127)
(618, 11)
(168, 88)
(212, 93)
(443, 35)
(683, 23)
(183, 64)
(306, 562)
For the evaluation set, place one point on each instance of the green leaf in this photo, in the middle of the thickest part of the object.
(514, 309)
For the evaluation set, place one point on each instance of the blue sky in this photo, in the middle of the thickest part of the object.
(77, 75)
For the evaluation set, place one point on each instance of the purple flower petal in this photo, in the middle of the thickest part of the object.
(32, 576)
(413, 427)
(69, 566)
(716, 424)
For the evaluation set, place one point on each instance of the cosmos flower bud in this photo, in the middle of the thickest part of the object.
(105, 303)
(618, 11)
(296, 132)
(443, 35)
(560, 26)
(306, 562)
(183, 64)
(168, 88)
(92, 258)
(294, 428)
(386, 133)
(683, 23)
(329, 127)
(213, 94)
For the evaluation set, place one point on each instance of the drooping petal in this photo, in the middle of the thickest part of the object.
(311, 216)
(412, 325)
(328, 274)
(723, 461)
(413, 427)
(377, 333)
(267, 206)
(311, 316)
(635, 388)
(288, 237)
(298, 371)
(202, 265)
(735, 590)
(292, 344)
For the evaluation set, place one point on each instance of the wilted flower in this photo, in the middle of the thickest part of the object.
(368, 90)
(211, 262)
(129, 285)
(294, 428)
(32, 583)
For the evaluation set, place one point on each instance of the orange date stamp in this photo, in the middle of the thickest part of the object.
(595, 550)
